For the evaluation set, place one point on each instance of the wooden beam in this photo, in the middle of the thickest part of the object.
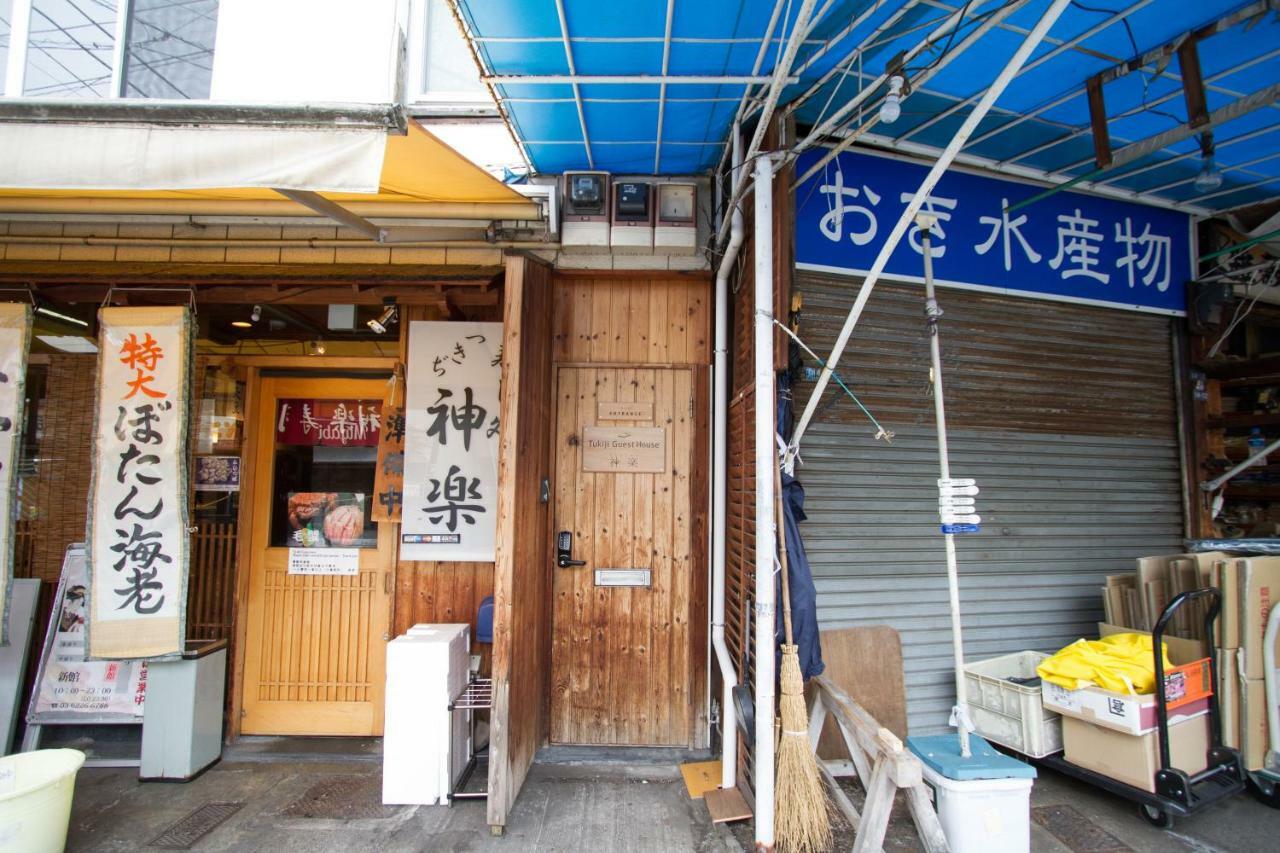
(326, 293)
(311, 362)
(202, 275)
(1193, 83)
(1098, 121)
(638, 276)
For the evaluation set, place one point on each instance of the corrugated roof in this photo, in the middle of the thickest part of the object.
(685, 67)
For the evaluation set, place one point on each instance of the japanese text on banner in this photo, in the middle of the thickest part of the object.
(450, 463)
(138, 545)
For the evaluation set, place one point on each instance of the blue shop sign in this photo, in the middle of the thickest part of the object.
(1069, 247)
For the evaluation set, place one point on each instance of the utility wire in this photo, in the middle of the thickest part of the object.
(881, 432)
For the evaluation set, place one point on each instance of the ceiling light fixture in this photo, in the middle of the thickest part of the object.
(58, 315)
(242, 324)
(1210, 177)
(891, 106)
(385, 319)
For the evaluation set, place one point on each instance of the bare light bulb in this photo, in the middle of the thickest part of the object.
(1209, 178)
(891, 106)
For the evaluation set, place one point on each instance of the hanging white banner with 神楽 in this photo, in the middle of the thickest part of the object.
(15, 341)
(451, 442)
(138, 540)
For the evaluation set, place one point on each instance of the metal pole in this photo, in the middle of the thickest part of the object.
(932, 313)
(1214, 485)
(926, 187)
(766, 459)
(781, 70)
(719, 490)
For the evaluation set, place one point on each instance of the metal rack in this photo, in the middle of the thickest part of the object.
(477, 695)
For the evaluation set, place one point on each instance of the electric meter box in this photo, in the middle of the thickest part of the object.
(632, 227)
(676, 228)
(584, 225)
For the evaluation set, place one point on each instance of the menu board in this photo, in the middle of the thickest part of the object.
(70, 689)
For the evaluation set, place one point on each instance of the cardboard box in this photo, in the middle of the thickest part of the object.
(1225, 575)
(1158, 580)
(1259, 587)
(1132, 759)
(1152, 586)
(1253, 723)
(1187, 689)
(1229, 696)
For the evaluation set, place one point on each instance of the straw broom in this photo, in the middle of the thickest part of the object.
(802, 819)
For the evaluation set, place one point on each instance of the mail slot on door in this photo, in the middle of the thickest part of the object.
(624, 577)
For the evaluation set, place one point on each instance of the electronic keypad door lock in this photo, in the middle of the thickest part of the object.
(564, 551)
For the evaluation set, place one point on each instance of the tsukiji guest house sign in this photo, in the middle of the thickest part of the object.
(638, 450)
(1068, 247)
(451, 441)
(15, 340)
(138, 540)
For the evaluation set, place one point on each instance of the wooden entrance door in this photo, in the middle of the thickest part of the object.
(621, 657)
(315, 648)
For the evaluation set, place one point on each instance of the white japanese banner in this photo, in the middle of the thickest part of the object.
(451, 442)
(138, 540)
(15, 341)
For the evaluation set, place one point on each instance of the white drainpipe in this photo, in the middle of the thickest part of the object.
(719, 486)
(766, 459)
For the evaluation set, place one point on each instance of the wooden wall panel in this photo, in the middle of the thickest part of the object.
(440, 592)
(632, 320)
(522, 586)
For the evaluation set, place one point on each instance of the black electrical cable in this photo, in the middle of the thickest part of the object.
(1128, 28)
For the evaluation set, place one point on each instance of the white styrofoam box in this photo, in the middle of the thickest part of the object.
(423, 754)
(983, 815)
(590, 236)
(1012, 715)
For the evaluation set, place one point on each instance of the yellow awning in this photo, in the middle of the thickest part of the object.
(169, 170)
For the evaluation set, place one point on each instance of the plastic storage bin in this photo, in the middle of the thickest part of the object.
(35, 799)
(1011, 714)
(983, 815)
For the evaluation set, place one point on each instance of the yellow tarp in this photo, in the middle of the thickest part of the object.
(1121, 662)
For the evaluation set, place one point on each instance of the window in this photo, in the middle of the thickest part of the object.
(109, 48)
(6, 29)
(170, 53)
(442, 75)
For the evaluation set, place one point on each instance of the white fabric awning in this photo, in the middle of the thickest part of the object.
(133, 157)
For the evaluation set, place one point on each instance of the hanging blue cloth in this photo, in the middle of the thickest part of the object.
(804, 595)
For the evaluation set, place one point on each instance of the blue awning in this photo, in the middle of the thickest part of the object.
(618, 87)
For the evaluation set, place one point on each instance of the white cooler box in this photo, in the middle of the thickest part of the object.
(424, 750)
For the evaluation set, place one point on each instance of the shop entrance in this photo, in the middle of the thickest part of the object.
(320, 570)
(622, 670)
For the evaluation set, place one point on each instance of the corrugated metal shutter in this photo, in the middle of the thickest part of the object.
(1064, 414)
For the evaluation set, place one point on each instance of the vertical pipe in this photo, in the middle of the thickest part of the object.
(766, 459)
(932, 314)
(719, 487)
(926, 187)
